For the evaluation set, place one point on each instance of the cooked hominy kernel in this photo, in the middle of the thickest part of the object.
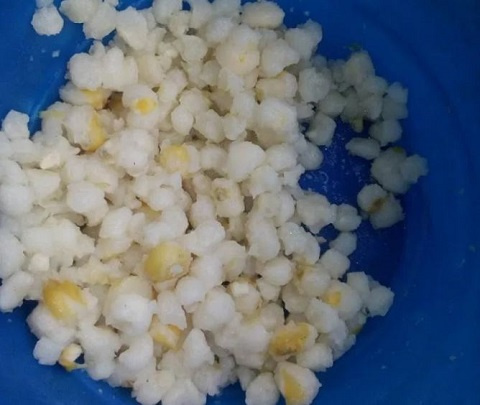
(157, 215)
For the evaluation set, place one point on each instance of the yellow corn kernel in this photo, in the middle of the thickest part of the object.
(167, 336)
(97, 135)
(167, 261)
(289, 339)
(71, 353)
(62, 298)
(292, 390)
(332, 298)
(144, 105)
(96, 98)
(174, 158)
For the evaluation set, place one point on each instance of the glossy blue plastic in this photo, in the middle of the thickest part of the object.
(427, 350)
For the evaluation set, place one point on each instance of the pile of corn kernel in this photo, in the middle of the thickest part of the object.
(156, 217)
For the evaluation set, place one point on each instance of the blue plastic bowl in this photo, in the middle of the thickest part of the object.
(427, 350)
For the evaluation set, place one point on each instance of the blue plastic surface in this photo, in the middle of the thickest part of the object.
(427, 350)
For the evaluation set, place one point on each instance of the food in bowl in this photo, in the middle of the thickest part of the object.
(156, 217)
